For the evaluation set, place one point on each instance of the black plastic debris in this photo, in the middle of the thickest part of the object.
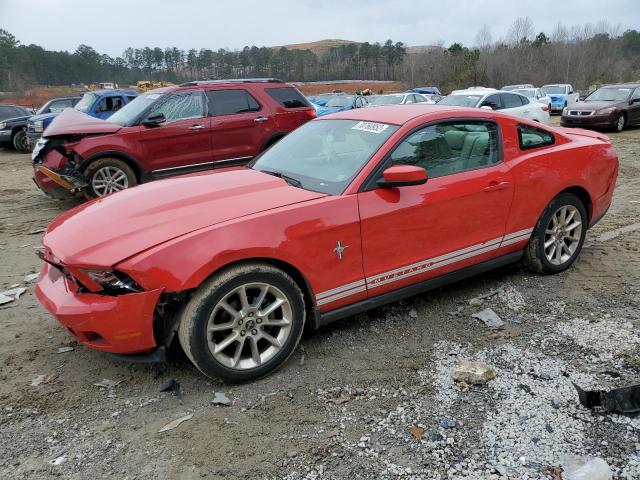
(172, 386)
(624, 400)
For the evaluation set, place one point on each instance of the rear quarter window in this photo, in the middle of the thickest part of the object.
(288, 97)
(532, 137)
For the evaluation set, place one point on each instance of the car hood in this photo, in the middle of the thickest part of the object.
(73, 122)
(16, 119)
(595, 105)
(110, 229)
(42, 116)
(556, 97)
(327, 110)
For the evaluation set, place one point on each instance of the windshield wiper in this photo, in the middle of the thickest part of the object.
(294, 182)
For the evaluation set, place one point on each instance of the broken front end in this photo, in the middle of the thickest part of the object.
(56, 167)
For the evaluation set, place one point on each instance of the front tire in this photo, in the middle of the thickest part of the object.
(558, 237)
(20, 143)
(621, 122)
(108, 175)
(243, 323)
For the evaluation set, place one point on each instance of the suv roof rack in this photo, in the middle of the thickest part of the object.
(231, 80)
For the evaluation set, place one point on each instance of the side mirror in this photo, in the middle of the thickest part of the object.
(154, 120)
(634, 100)
(402, 176)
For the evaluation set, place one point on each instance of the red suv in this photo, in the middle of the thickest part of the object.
(167, 131)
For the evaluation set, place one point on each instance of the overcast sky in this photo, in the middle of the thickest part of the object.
(113, 25)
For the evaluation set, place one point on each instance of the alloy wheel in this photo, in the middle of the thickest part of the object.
(108, 180)
(249, 326)
(620, 123)
(562, 236)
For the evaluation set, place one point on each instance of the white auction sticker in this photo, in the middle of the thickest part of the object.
(372, 127)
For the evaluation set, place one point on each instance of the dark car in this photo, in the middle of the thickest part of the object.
(168, 131)
(611, 106)
(13, 126)
(46, 113)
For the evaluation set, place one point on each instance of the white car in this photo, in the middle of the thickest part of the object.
(536, 94)
(506, 102)
(398, 99)
(561, 95)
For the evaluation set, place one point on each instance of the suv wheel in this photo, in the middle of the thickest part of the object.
(558, 237)
(20, 142)
(108, 175)
(244, 323)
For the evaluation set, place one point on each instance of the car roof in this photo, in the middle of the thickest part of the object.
(471, 91)
(394, 114)
(622, 85)
(111, 91)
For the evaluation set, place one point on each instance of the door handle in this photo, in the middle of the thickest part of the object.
(196, 127)
(260, 119)
(495, 186)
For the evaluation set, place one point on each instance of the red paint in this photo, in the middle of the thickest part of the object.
(173, 234)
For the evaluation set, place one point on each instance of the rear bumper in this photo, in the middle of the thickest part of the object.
(594, 121)
(118, 324)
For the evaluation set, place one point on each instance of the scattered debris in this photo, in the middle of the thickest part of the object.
(413, 313)
(106, 383)
(364, 441)
(171, 385)
(38, 380)
(476, 301)
(417, 432)
(516, 319)
(340, 397)
(25, 245)
(457, 313)
(624, 400)
(173, 424)
(11, 295)
(35, 231)
(292, 454)
(65, 349)
(584, 468)
(489, 318)
(220, 398)
(474, 373)
(446, 422)
(32, 277)
(302, 360)
(59, 459)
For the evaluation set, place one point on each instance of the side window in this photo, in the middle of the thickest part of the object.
(231, 102)
(131, 98)
(180, 106)
(636, 94)
(410, 99)
(448, 148)
(288, 97)
(532, 137)
(419, 98)
(523, 99)
(492, 101)
(104, 105)
(60, 105)
(511, 100)
(569, 89)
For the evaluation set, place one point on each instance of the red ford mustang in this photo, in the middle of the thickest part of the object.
(346, 213)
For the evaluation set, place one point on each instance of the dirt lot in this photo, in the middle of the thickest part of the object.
(343, 406)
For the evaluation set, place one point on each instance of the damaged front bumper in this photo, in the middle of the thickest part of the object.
(122, 324)
(56, 174)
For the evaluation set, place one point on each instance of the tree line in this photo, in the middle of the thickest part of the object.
(581, 55)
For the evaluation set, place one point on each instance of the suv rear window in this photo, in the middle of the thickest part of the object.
(288, 97)
(231, 102)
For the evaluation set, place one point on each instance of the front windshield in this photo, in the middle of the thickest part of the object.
(325, 155)
(554, 89)
(85, 103)
(527, 92)
(461, 100)
(609, 94)
(386, 100)
(341, 101)
(128, 114)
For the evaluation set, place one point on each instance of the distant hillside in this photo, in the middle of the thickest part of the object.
(321, 46)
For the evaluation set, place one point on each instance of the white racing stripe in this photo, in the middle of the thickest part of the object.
(422, 266)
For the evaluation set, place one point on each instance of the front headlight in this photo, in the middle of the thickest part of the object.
(38, 126)
(3, 125)
(112, 281)
(606, 111)
(565, 111)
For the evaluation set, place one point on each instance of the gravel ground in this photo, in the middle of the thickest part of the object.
(367, 397)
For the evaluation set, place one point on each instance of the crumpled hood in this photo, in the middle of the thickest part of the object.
(73, 122)
(110, 229)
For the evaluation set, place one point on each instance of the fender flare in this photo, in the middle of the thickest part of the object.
(131, 161)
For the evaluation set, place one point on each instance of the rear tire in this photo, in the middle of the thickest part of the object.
(108, 175)
(228, 329)
(19, 141)
(558, 237)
